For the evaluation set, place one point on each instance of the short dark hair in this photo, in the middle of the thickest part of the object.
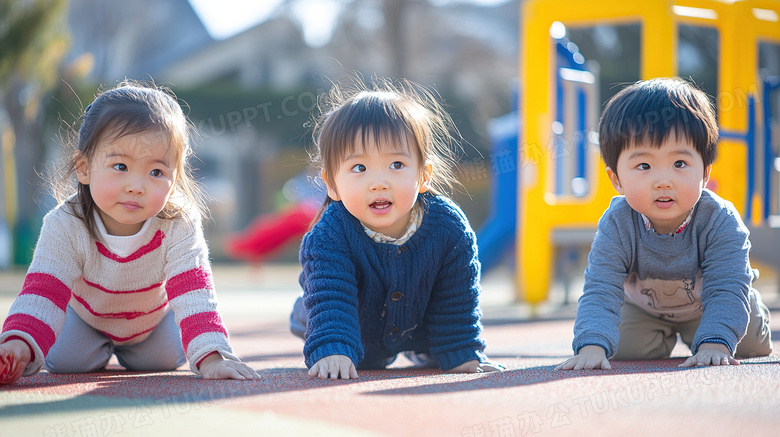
(648, 111)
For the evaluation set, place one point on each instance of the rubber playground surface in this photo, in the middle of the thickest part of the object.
(651, 398)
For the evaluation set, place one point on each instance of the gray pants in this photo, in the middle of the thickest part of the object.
(646, 337)
(81, 348)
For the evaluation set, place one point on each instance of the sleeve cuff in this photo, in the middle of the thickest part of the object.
(198, 356)
(35, 365)
(593, 341)
(715, 340)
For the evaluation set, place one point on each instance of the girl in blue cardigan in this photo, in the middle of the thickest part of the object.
(391, 264)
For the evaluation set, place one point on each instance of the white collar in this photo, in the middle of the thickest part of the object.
(122, 245)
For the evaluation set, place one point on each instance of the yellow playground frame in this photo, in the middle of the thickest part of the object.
(743, 171)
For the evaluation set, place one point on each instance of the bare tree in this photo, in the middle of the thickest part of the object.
(33, 43)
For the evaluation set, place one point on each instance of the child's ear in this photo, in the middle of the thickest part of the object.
(81, 168)
(613, 177)
(334, 196)
(707, 173)
(426, 182)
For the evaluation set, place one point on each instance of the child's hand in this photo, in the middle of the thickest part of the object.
(711, 354)
(332, 366)
(216, 367)
(589, 357)
(474, 366)
(15, 355)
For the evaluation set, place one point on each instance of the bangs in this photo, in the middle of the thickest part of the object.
(370, 120)
(118, 123)
(655, 124)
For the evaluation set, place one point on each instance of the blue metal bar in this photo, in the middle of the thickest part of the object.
(582, 150)
(751, 160)
(559, 102)
(728, 135)
(767, 112)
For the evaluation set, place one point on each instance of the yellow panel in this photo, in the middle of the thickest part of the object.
(539, 212)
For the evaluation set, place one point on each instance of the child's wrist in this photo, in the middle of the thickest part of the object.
(715, 346)
(208, 359)
(20, 339)
(592, 349)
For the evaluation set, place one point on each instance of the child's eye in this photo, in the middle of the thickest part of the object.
(680, 164)
(643, 166)
(358, 168)
(156, 172)
(119, 167)
(397, 165)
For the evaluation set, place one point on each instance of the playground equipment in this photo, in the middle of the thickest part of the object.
(269, 233)
(562, 184)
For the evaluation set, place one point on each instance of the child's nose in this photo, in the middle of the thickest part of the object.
(379, 183)
(663, 183)
(134, 185)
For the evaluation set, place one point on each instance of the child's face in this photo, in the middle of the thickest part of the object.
(130, 178)
(661, 183)
(380, 187)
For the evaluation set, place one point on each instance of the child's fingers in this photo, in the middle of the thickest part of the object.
(344, 371)
(9, 368)
(231, 373)
(250, 373)
(724, 360)
(690, 362)
(353, 371)
(323, 371)
(348, 370)
(4, 367)
(331, 369)
(245, 371)
(491, 367)
(338, 369)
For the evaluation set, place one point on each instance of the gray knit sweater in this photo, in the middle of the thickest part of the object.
(702, 271)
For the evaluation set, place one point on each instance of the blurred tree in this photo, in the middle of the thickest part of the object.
(33, 43)
(394, 11)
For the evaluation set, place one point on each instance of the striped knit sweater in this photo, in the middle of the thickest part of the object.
(122, 286)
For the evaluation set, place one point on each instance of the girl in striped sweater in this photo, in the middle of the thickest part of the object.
(121, 267)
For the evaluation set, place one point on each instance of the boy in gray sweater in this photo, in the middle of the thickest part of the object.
(669, 256)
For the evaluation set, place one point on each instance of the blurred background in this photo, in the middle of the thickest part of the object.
(250, 73)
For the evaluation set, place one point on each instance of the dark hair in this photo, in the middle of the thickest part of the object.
(393, 114)
(130, 108)
(648, 111)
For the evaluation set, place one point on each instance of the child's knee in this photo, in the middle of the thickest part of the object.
(77, 362)
(757, 341)
(160, 362)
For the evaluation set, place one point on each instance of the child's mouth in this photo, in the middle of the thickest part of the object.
(380, 206)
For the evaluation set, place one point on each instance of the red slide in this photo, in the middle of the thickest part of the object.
(270, 232)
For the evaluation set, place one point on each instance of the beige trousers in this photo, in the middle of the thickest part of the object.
(644, 336)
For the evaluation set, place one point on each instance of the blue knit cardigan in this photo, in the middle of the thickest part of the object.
(370, 301)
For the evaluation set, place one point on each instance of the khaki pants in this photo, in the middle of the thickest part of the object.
(646, 337)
